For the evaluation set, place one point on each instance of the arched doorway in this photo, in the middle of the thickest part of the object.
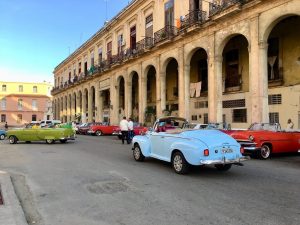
(150, 113)
(172, 88)
(121, 92)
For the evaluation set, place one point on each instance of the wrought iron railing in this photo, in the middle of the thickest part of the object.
(215, 8)
(194, 17)
(166, 33)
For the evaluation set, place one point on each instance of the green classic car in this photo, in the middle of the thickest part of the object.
(50, 135)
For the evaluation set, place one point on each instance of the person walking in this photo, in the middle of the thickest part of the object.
(130, 130)
(124, 129)
(290, 125)
(6, 126)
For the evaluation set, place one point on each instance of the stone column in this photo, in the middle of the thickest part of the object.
(187, 77)
(83, 112)
(158, 89)
(100, 106)
(90, 106)
(97, 100)
(142, 97)
(258, 66)
(73, 109)
(78, 100)
(181, 84)
(162, 78)
(114, 101)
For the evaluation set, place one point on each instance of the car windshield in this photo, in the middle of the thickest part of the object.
(265, 126)
(223, 126)
(169, 123)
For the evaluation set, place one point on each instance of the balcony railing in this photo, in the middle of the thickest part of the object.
(194, 17)
(166, 33)
(216, 8)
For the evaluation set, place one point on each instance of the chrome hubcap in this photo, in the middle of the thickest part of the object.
(137, 153)
(11, 140)
(265, 151)
(177, 162)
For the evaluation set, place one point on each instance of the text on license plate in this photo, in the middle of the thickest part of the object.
(227, 150)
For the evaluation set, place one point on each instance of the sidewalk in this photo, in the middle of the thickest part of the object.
(11, 212)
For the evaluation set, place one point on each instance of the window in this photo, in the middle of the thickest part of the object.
(20, 88)
(120, 44)
(169, 13)
(234, 103)
(202, 104)
(33, 118)
(79, 68)
(194, 117)
(109, 50)
(274, 99)
(4, 87)
(133, 37)
(34, 89)
(92, 59)
(19, 118)
(239, 116)
(100, 56)
(3, 118)
(20, 104)
(149, 30)
(34, 104)
(3, 104)
(274, 117)
(205, 118)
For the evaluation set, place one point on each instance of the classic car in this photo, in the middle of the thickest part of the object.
(83, 128)
(2, 134)
(197, 126)
(269, 139)
(170, 141)
(50, 135)
(137, 130)
(100, 129)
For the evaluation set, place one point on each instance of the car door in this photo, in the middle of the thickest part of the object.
(157, 144)
(29, 135)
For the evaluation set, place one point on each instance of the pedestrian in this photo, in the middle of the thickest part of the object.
(6, 126)
(130, 130)
(124, 129)
(290, 125)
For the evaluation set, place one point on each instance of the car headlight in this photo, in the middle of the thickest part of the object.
(251, 138)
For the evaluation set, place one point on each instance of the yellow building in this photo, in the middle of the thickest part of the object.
(24, 102)
(236, 61)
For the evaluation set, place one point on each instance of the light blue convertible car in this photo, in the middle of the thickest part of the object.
(2, 134)
(170, 141)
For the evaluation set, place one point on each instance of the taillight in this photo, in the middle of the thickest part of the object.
(206, 152)
(242, 150)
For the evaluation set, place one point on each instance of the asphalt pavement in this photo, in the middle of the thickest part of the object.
(95, 181)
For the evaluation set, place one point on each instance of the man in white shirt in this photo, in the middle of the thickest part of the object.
(124, 129)
(130, 130)
(290, 125)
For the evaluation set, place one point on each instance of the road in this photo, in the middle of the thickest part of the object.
(95, 181)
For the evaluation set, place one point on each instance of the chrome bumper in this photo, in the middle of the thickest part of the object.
(224, 161)
(116, 133)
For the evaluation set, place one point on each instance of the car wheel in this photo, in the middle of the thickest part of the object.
(221, 167)
(63, 141)
(98, 133)
(49, 141)
(137, 153)
(180, 165)
(265, 151)
(13, 140)
(2, 136)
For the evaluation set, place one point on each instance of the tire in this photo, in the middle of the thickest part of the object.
(265, 151)
(137, 153)
(221, 167)
(2, 136)
(63, 141)
(13, 140)
(49, 141)
(99, 133)
(179, 163)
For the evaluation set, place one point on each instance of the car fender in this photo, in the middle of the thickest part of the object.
(144, 143)
(192, 150)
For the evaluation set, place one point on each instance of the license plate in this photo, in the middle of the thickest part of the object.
(227, 150)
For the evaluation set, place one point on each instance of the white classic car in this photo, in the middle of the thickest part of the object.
(169, 141)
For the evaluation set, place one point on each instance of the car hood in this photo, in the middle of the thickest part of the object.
(210, 137)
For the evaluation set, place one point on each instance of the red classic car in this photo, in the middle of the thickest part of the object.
(83, 128)
(269, 139)
(100, 129)
(137, 129)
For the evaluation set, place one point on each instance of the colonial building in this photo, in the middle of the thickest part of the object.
(24, 102)
(236, 61)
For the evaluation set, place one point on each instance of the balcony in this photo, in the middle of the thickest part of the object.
(196, 17)
(215, 9)
(166, 33)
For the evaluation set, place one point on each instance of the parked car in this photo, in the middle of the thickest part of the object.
(100, 129)
(83, 128)
(184, 147)
(43, 123)
(269, 139)
(50, 135)
(2, 134)
(137, 130)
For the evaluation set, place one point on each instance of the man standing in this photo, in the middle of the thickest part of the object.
(6, 126)
(124, 129)
(130, 130)
(290, 125)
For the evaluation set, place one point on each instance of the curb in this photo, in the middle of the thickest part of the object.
(11, 212)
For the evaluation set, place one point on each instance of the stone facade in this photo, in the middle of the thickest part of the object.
(145, 62)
